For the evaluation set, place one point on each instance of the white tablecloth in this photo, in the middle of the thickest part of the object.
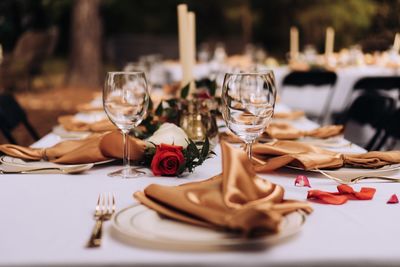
(46, 219)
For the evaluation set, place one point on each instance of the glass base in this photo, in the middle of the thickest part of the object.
(127, 173)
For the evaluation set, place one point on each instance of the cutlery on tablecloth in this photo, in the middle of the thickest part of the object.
(354, 180)
(105, 208)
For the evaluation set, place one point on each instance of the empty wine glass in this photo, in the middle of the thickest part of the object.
(248, 101)
(125, 101)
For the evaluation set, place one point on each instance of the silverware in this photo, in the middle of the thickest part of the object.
(354, 180)
(75, 169)
(105, 208)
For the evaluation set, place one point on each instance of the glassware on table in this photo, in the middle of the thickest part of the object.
(125, 101)
(248, 101)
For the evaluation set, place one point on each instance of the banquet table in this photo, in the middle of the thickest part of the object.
(346, 78)
(47, 220)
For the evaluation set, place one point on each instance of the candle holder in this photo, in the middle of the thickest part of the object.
(198, 121)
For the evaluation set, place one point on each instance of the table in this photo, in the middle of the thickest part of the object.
(47, 219)
(303, 99)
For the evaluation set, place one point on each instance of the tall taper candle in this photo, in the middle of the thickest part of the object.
(184, 43)
(192, 44)
(294, 43)
(329, 41)
(396, 44)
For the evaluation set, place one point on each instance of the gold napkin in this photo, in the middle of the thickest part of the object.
(271, 156)
(237, 199)
(71, 124)
(284, 131)
(293, 115)
(96, 148)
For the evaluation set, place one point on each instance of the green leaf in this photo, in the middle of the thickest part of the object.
(185, 91)
(213, 87)
(159, 110)
(205, 149)
(150, 107)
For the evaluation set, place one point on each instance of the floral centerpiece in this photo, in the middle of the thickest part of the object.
(172, 147)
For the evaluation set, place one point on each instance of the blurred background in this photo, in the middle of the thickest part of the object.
(74, 42)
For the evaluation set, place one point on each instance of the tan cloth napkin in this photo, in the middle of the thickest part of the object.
(71, 124)
(284, 131)
(271, 156)
(96, 148)
(293, 115)
(237, 199)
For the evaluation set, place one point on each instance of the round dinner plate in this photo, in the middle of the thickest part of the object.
(349, 173)
(61, 132)
(145, 227)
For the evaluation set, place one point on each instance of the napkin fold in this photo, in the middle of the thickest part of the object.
(237, 199)
(284, 131)
(71, 124)
(95, 148)
(292, 115)
(271, 156)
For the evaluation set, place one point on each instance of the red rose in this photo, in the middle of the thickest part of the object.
(167, 159)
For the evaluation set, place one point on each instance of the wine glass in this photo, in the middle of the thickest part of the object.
(248, 101)
(125, 101)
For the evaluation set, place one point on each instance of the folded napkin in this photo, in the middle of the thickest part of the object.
(237, 199)
(284, 131)
(96, 148)
(293, 115)
(71, 124)
(271, 156)
(88, 107)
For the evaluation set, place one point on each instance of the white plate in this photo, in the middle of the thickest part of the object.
(348, 173)
(144, 227)
(12, 164)
(61, 132)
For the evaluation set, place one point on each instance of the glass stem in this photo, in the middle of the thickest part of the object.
(249, 146)
(125, 158)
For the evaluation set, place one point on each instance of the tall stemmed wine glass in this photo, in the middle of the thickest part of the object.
(248, 101)
(125, 101)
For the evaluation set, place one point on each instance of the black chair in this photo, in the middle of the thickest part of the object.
(12, 115)
(313, 78)
(392, 131)
(373, 106)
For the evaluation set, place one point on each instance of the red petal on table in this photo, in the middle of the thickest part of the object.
(393, 199)
(345, 189)
(302, 180)
(326, 197)
(366, 193)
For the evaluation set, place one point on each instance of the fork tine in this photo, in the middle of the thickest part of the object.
(113, 203)
(98, 208)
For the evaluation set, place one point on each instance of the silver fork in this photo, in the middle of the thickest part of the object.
(359, 178)
(105, 208)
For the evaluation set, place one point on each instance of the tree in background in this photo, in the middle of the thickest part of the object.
(85, 57)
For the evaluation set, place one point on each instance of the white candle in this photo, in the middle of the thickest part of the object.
(192, 44)
(329, 41)
(396, 44)
(184, 43)
(294, 43)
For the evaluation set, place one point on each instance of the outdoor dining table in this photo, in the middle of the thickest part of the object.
(46, 220)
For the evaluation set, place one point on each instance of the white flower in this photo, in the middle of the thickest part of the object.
(169, 134)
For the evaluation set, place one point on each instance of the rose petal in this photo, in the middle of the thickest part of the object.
(393, 199)
(326, 197)
(302, 180)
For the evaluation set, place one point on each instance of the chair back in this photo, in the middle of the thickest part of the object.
(373, 106)
(12, 115)
(300, 79)
(314, 78)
